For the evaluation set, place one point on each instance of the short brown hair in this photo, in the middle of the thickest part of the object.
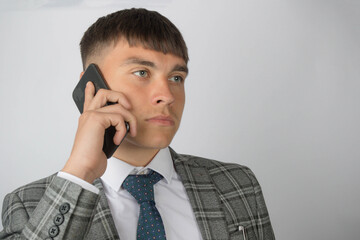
(139, 27)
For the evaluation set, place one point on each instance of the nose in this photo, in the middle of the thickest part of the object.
(162, 93)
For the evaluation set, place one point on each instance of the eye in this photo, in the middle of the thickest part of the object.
(141, 73)
(176, 79)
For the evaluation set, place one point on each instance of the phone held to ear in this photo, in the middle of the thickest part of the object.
(93, 74)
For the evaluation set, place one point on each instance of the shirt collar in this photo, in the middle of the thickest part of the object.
(117, 170)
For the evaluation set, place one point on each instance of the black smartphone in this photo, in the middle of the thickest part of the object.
(94, 75)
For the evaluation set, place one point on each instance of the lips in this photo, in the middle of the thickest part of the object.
(162, 120)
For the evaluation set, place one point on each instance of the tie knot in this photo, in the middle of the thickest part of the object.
(141, 187)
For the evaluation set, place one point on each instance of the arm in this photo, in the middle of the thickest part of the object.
(20, 221)
(87, 161)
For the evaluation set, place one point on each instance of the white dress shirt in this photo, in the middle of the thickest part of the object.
(170, 198)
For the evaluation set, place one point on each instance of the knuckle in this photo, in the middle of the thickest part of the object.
(101, 92)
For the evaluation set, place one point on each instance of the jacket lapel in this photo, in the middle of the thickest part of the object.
(202, 193)
(203, 197)
(103, 226)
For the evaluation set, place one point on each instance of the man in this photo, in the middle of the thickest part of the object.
(143, 58)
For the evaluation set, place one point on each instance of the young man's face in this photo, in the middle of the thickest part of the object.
(153, 82)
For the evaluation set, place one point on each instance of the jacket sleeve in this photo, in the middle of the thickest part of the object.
(65, 211)
(263, 223)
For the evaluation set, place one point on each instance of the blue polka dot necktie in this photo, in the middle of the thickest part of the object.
(150, 225)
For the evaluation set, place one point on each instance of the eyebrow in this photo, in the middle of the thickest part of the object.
(135, 60)
(139, 61)
(180, 68)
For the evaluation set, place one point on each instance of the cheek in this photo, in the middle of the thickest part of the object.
(180, 99)
(137, 96)
(139, 101)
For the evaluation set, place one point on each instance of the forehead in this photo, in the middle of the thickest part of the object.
(123, 51)
(122, 48)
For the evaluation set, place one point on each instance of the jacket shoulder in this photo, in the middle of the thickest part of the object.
(217, 168)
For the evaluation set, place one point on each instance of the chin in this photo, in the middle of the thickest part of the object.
(156, 141)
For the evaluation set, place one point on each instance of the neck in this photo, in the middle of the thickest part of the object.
(135, 155)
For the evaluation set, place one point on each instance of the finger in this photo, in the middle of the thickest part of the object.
(89, 95)
(104, 96)
(118, 122)
(123, 113)
(119, 135)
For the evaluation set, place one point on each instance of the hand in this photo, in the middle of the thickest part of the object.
(87, 160)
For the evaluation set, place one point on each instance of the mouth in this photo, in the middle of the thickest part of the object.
(162, 120)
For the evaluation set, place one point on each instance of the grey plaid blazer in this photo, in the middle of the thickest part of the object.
(223, 196)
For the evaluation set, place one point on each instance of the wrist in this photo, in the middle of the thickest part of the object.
(87, 176)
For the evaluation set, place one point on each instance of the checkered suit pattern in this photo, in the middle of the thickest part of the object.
(223, 196)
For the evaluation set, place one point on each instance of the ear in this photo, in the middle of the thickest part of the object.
(81, 74)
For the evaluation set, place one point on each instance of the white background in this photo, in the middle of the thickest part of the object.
(273, 85)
